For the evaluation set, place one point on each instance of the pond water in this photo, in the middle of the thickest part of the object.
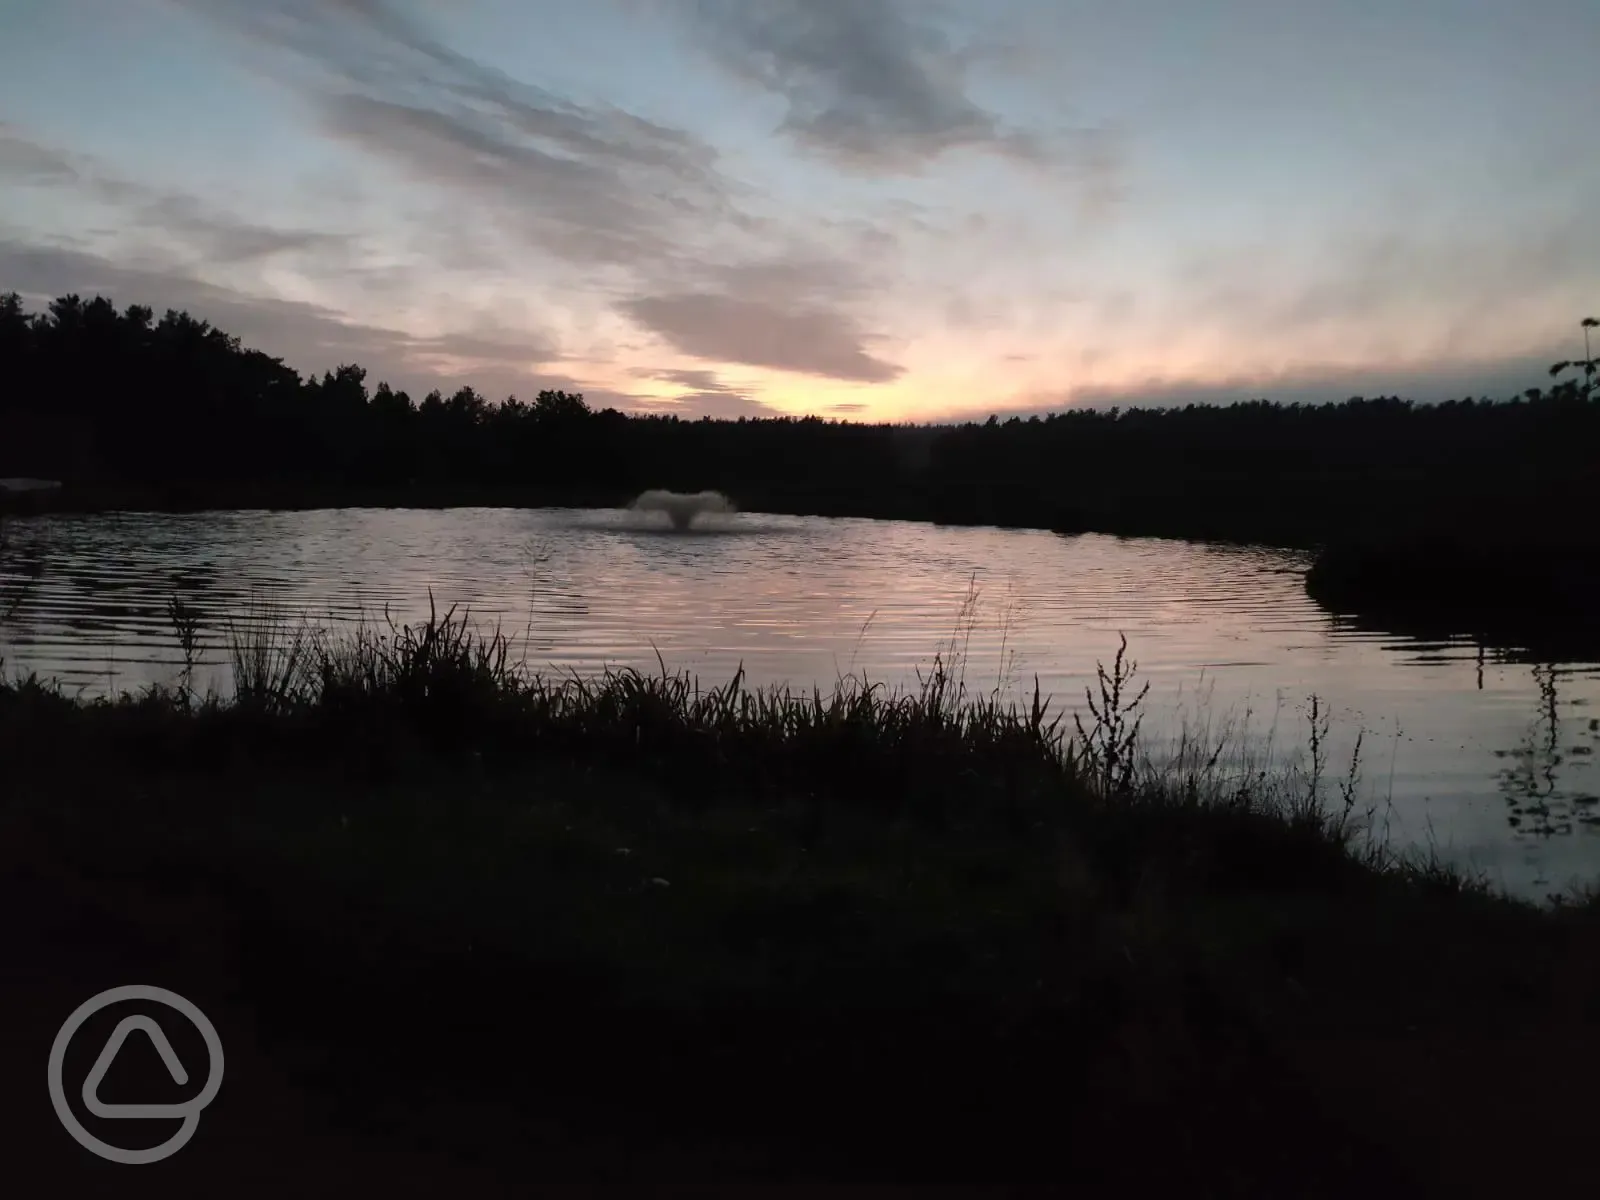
(1488, 759)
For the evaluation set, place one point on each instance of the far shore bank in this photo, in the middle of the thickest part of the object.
(1538, 596)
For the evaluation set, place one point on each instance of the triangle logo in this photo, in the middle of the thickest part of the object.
(97, 1074)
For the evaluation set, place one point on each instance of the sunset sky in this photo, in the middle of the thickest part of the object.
(898, 211)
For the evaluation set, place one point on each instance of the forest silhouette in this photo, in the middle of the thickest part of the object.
(1476, 501)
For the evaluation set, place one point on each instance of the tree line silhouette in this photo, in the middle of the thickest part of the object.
(127, 409)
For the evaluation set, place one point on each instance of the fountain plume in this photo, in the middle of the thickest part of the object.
(682, 507)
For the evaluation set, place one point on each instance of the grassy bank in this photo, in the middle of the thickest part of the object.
(630, 928)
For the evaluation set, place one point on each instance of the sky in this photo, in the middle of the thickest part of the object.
(897, 210)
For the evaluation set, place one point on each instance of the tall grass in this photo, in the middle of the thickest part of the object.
(448, 684)
(937, 749)
(276, 663)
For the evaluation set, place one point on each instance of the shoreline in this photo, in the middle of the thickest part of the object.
(1539, 598)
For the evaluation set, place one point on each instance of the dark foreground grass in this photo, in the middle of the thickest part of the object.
(465, 928)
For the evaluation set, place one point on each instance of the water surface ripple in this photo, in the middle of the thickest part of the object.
(1488, 760)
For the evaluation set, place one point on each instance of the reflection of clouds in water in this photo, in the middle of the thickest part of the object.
(805, 600)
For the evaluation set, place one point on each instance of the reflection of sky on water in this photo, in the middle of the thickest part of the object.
(1460, 739)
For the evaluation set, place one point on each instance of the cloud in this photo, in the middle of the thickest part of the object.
(590, 185)
(807, 341)
(720, 406)
(587, 184)
(706, 381)
(711, 397)
(223, 238)
(191, 237)
(878, 86)
(503, 346)
(864, 81)
(204, 231)
(308, 336)
(1393, 307)
(26, 161)
(797, 273)
(1499, 378)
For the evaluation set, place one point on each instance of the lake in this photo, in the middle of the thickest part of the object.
(1485, 756)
